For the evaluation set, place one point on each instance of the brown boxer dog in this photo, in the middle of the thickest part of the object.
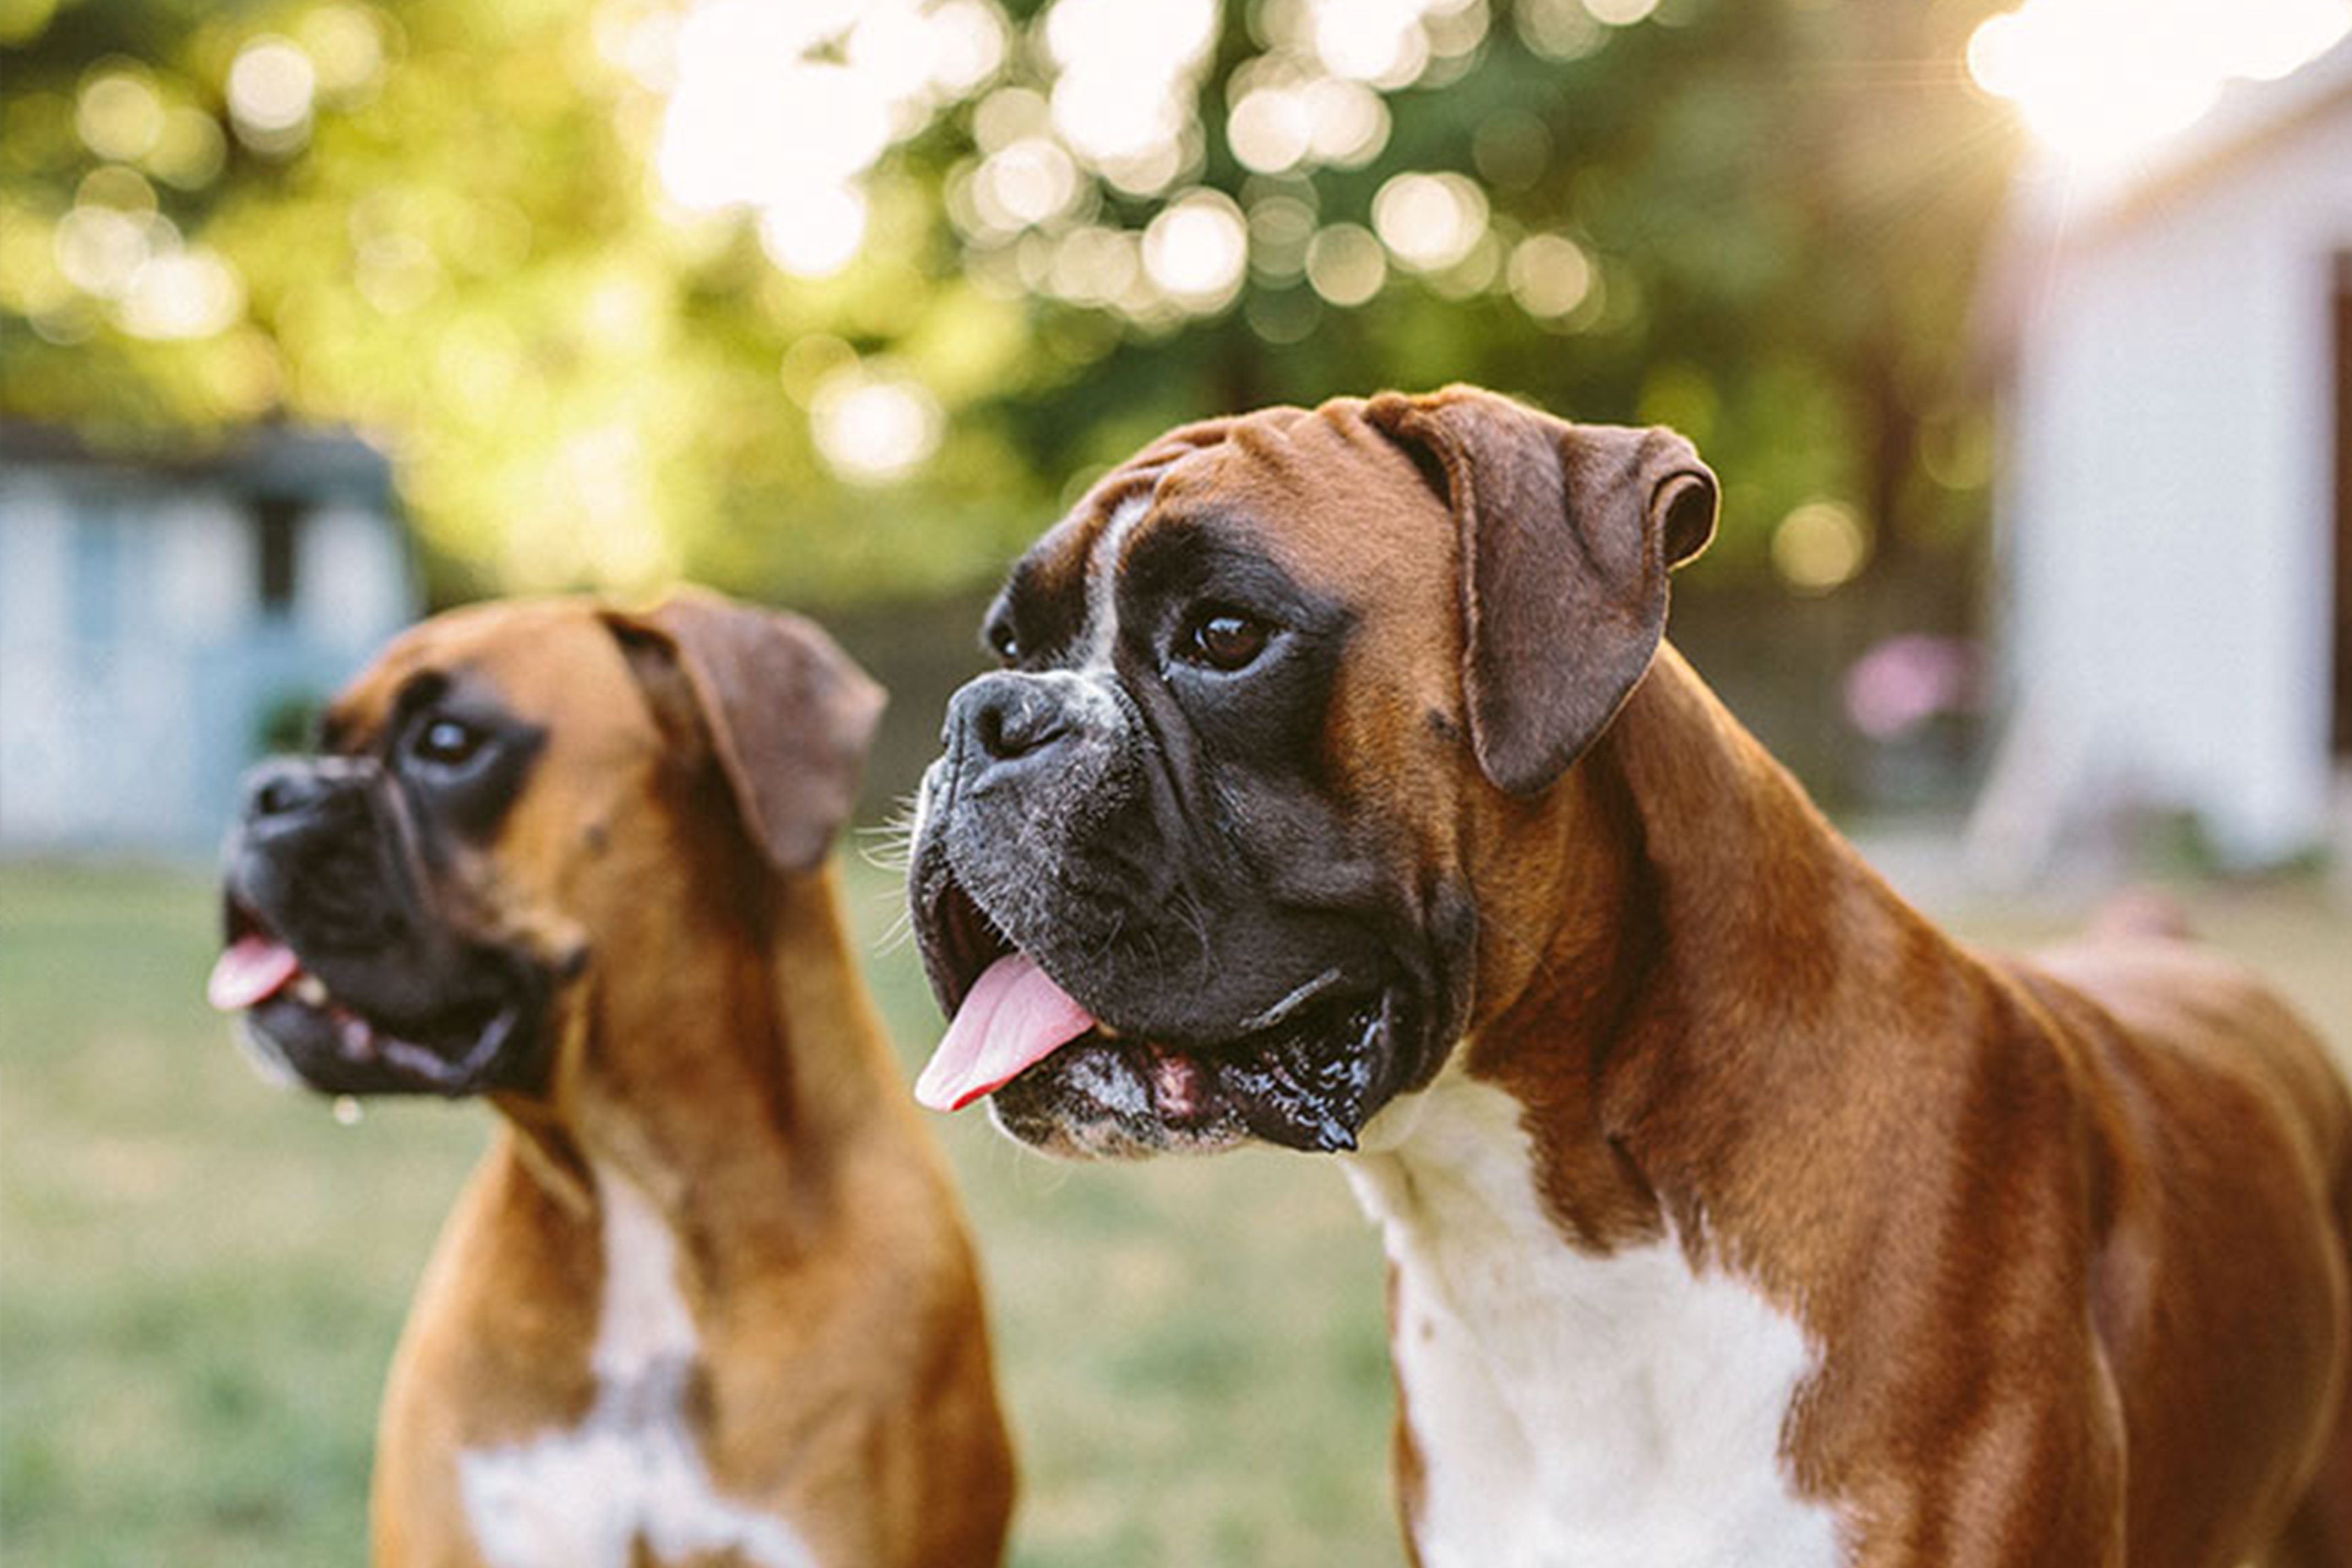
(709, 1299)
(1338, 792)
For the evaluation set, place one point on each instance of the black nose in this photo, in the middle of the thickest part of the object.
(286, 789)
(281, 787)
(1006, 719)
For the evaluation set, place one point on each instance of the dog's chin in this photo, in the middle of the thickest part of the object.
(1310, 1085)
(306, 1035)
(334, 1049)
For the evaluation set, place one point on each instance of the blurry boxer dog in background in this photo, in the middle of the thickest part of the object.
(708, 1297)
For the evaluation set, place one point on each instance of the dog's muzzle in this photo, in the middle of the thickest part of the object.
(345, 975)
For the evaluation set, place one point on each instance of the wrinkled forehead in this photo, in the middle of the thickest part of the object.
(525, 658)
(1318, 491)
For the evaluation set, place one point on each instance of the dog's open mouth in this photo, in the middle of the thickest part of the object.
(334, 1044)
(1297, 1072)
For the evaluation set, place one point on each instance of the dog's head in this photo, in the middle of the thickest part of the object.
(1200, 862)
(512, 799)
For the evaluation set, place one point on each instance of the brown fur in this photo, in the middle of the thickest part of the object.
(2061, 1227)
(2071, 1234)
(721, 1052)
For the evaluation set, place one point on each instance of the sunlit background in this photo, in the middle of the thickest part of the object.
(2021, 335)
(829, 299)
(2103, 82)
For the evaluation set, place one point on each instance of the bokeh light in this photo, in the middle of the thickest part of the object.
(345, 45)
(1620, 12)
(1907, 679)
(873, 426)
(189, 151)
(1196, 250)
(783, 109)
(1376, 41)
(2099, 82)
(1549, 275)
(271, 87)
(184, 294)
(1271, 130)
(120, 115)
(1007, 115)
(1819, 547)
(815, 232)
(1026, 184)
(1346, 265)
(99, 249)
(1096, 265)
(1560, 30)
(395, 273)
(1279, 229)
(1351, 122)
(1123, 101)
(1430, 221)
(743, 131)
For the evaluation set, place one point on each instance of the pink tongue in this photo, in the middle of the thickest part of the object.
(253, 970)
(1013, 1017)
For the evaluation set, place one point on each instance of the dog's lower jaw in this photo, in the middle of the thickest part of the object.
(1105, 1097)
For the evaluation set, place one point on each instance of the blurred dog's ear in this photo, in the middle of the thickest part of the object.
(1568, 532)
(786, 714)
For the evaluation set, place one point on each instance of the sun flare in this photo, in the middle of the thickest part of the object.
(2100, 82)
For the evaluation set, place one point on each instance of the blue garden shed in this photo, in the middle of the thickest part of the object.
(162, 619)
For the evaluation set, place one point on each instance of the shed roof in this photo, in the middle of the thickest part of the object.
(283, 460)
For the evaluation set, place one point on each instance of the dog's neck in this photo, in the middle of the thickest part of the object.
(730, 1099)
(1687, 863)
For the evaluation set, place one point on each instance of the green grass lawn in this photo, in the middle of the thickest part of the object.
(200, 1277)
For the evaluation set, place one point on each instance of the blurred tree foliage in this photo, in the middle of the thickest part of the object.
(480, 230)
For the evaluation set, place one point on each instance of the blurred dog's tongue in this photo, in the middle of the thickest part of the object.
(1013, 1017)
(254, 969)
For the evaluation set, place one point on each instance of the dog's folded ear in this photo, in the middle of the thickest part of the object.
(786, 714)
(1568, 532)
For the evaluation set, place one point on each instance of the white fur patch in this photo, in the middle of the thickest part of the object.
(1101, 632)
(629, 1473)
(1619, 1411)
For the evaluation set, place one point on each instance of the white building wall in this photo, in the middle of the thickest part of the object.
(354, 589)
(188, 584)
(202, 566)
(2168, 514)
(37, 775)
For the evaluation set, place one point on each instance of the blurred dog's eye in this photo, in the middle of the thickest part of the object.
(1226, 640)
(445, 742)
(1005, 647)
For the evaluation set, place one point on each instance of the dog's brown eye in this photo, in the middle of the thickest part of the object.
(1225, 640)
(445, 742)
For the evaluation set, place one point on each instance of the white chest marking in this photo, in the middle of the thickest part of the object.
(1621, 1411)
(630, 1472)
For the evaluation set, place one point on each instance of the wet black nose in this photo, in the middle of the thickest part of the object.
(1005, 719)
